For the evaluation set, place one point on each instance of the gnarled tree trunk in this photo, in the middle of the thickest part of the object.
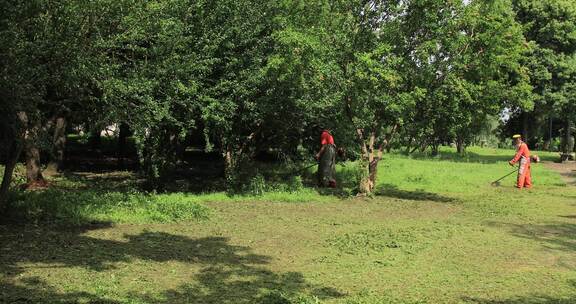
(372, 156)
(14, 150)
(59, 142)
(34, 177)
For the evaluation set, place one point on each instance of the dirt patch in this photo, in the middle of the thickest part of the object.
(567, 170)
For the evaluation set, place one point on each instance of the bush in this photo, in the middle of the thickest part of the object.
(257, 186)
(295, 184)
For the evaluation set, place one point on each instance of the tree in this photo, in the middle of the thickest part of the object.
(20, 84)
(466, 57)
(550, 27)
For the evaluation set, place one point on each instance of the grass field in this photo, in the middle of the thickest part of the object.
(436, 232)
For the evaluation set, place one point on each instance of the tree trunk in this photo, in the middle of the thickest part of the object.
(123, 139)
(388, 140)
(409, 145)
(371, 157)
(372, 172)
(460, 146)
(568, 144)
(14, 151)
(546, 145)
(122, 143)
(95, 139)
(435, 149)
(423, 146)
(229, 168)
(548, 142)
(34, 177)
(59, 143)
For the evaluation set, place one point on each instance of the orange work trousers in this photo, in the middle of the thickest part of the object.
(524, 179)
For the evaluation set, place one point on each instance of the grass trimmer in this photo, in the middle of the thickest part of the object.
(299, 170)
(496, 183)
(341, 152)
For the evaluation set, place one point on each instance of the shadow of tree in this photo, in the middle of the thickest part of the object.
(34, 290)
(393, 191)
(560, 236)
(229, 273)
(535, 299)
(532, 299)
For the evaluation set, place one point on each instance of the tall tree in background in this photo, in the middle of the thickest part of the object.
(466, 57)
(550, 26)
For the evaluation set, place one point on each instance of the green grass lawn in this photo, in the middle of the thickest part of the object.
(436, 232)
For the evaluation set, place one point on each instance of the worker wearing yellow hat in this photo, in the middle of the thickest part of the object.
(523, 156)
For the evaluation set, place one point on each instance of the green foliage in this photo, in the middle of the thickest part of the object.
(295, 184)
(475, 71)
(550, 29)
(253, 77)
(256, 186)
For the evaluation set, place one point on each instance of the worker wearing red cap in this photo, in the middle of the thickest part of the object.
(327, 160)
(523, 157)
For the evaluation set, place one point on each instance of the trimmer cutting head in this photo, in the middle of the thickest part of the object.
(496, 183)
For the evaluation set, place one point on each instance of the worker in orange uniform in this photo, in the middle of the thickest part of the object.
(522, 156)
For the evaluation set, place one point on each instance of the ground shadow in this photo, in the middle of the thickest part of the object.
(121, 181)
(532, 299)
(229, 273)
(388, 190)
(199, 177)
(560, 236)
(195, 172)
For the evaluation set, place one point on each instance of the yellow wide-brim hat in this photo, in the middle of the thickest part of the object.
(516, 136)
